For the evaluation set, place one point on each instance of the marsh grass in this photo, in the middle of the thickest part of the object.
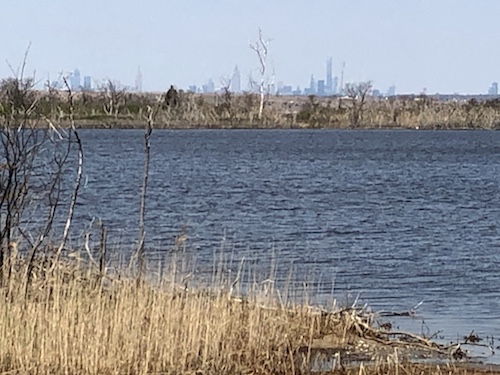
(72, 320)
(230, 110)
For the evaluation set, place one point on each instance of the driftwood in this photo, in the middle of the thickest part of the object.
(383, 341)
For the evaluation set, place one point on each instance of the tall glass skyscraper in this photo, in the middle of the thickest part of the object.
(236, 80)
(76, 81)
(329, 77)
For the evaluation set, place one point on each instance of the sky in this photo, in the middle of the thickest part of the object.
(443, 46)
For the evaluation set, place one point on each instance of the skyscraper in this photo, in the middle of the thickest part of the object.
(76, 81)
(321, 87)
(312, 86)
(138, 80)
(329, 77)
(493, 90)
(236, 80)
(335, 85)
(209, 87)
(87, 83)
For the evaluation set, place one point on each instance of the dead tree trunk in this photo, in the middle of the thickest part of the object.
(261, 49)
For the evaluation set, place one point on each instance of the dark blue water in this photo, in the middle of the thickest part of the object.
(391, 217)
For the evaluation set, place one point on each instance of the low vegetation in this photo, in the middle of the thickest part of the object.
(111, 107)
(72, 319)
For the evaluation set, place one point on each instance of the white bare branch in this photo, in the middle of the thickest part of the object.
(260, 47)
(78, 175)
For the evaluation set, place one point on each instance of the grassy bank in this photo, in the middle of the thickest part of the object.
(111, 107)
(72, 320)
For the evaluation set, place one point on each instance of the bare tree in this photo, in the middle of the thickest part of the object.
(34, 161)
(261, 49)
(19, 149)
(358, 93)
(73, 134)
(224, 105)
(113, 98)
(140, 254)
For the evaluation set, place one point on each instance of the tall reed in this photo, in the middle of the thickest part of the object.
(72, 322)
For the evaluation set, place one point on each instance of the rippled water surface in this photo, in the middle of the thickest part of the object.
(396, 217)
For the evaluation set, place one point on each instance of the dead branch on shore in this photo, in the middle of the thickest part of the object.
(359, 327)
(411, 312)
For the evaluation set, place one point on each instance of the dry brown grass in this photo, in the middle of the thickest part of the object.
(71, 321)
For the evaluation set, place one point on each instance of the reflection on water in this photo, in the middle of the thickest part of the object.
(391, 217)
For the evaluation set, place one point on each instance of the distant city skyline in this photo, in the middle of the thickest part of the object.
(446, 46)
(328, 86)
(322, 87)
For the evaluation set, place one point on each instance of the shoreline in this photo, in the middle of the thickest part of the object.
(134, 323)
(135, 125)
(109, 108)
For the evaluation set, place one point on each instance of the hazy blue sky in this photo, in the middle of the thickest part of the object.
(445, 46)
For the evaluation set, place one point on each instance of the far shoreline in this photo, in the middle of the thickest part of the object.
(132, 126)
(111, 108)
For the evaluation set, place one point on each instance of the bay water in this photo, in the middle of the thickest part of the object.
(390, 219)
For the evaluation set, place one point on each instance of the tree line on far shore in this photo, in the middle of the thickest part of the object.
(114, 107)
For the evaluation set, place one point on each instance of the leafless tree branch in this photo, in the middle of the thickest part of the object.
(78, 174)
(260, 47)
(147, 150)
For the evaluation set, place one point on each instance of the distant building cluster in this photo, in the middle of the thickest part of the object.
(328, 85)
(78, 83)
(321, 87)
(233, 84)
(75, 81)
